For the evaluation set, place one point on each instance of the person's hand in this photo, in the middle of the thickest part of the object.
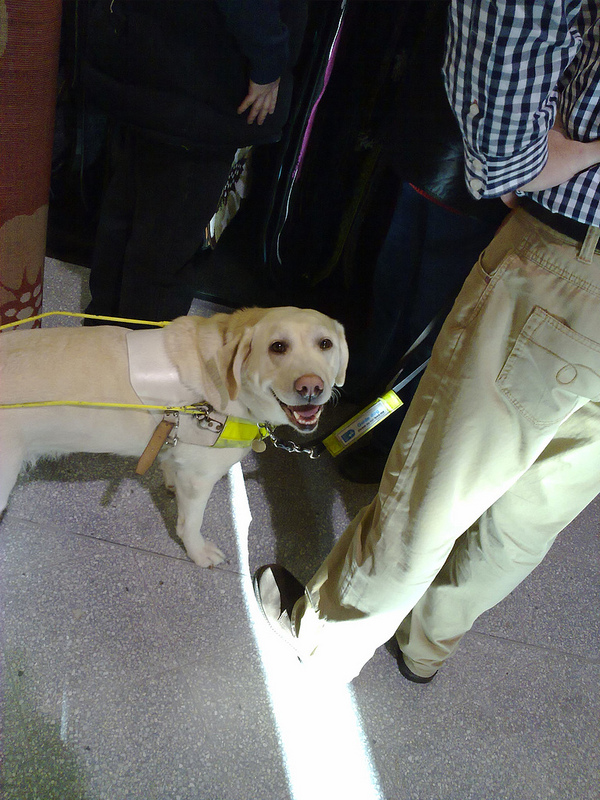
(510, 199)
(261, 100)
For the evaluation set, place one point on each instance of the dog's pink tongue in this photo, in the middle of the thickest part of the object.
(305, 412)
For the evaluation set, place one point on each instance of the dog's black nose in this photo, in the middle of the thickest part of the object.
(309, 387)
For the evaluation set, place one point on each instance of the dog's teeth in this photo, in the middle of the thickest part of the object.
(305, 416)
(305, 419)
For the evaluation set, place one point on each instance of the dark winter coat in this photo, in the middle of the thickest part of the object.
(178, 69)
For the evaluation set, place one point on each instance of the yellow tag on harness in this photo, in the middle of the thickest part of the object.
(362, 422)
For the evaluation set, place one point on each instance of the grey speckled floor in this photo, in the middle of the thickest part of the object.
(130, 674)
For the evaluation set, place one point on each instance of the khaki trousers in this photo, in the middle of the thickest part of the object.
(499, 451)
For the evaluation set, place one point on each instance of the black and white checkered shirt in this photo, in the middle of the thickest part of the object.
(510, 66)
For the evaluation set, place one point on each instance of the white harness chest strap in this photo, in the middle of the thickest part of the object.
(153, 375)
(155, 380)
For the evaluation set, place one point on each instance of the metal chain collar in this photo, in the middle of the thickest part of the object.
(312, 451)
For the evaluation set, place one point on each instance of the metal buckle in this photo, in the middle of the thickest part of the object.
(204, 420)
(172, 416)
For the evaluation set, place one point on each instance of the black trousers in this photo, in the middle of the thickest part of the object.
(425, 258)
(152, 222)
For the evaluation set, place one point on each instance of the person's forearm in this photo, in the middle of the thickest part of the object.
(566, 158)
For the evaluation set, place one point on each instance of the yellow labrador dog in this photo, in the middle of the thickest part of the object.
(276, 366)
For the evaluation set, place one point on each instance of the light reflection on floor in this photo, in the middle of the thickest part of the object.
(321, 737)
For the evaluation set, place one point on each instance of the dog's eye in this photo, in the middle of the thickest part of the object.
(325, 344)
(278, 347)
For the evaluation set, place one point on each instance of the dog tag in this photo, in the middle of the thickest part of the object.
(258, 445)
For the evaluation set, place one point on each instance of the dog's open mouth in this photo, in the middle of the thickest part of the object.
(303, 418)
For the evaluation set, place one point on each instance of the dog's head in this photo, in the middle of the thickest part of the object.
(290, 361)
(281, 363)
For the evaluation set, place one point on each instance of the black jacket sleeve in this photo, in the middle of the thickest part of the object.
(260, 34)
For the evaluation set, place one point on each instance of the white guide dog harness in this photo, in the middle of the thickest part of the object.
(155, 380)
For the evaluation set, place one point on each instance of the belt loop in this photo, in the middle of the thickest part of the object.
(588, 248)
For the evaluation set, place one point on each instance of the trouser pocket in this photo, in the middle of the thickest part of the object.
(549, 370)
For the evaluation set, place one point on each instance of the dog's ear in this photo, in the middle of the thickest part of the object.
(203, 352)
(344, 354)
(223, 369)
(242, 347)
(227, 363)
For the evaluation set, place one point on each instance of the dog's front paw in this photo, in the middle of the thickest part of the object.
(207, 555)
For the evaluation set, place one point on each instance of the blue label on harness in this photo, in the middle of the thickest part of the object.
(364, 422)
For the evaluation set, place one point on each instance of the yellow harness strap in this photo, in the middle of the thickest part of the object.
(241, 433)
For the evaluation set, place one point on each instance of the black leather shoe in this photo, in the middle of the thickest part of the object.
(407, 673)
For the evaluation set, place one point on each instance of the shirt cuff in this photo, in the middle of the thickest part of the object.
(492, 177)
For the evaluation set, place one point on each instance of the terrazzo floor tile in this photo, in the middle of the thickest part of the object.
(231, 695)
(29, 546)
(100, 495)
(139, 740)
(81, 621)
(201, 611)
(65, 289)
(506, 722)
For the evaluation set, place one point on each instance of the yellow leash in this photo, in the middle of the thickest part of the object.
(42, 404)
(91, 404)
(81, 316)
(239, 432)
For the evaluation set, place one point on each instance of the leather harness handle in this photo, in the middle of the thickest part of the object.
(159, 437)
